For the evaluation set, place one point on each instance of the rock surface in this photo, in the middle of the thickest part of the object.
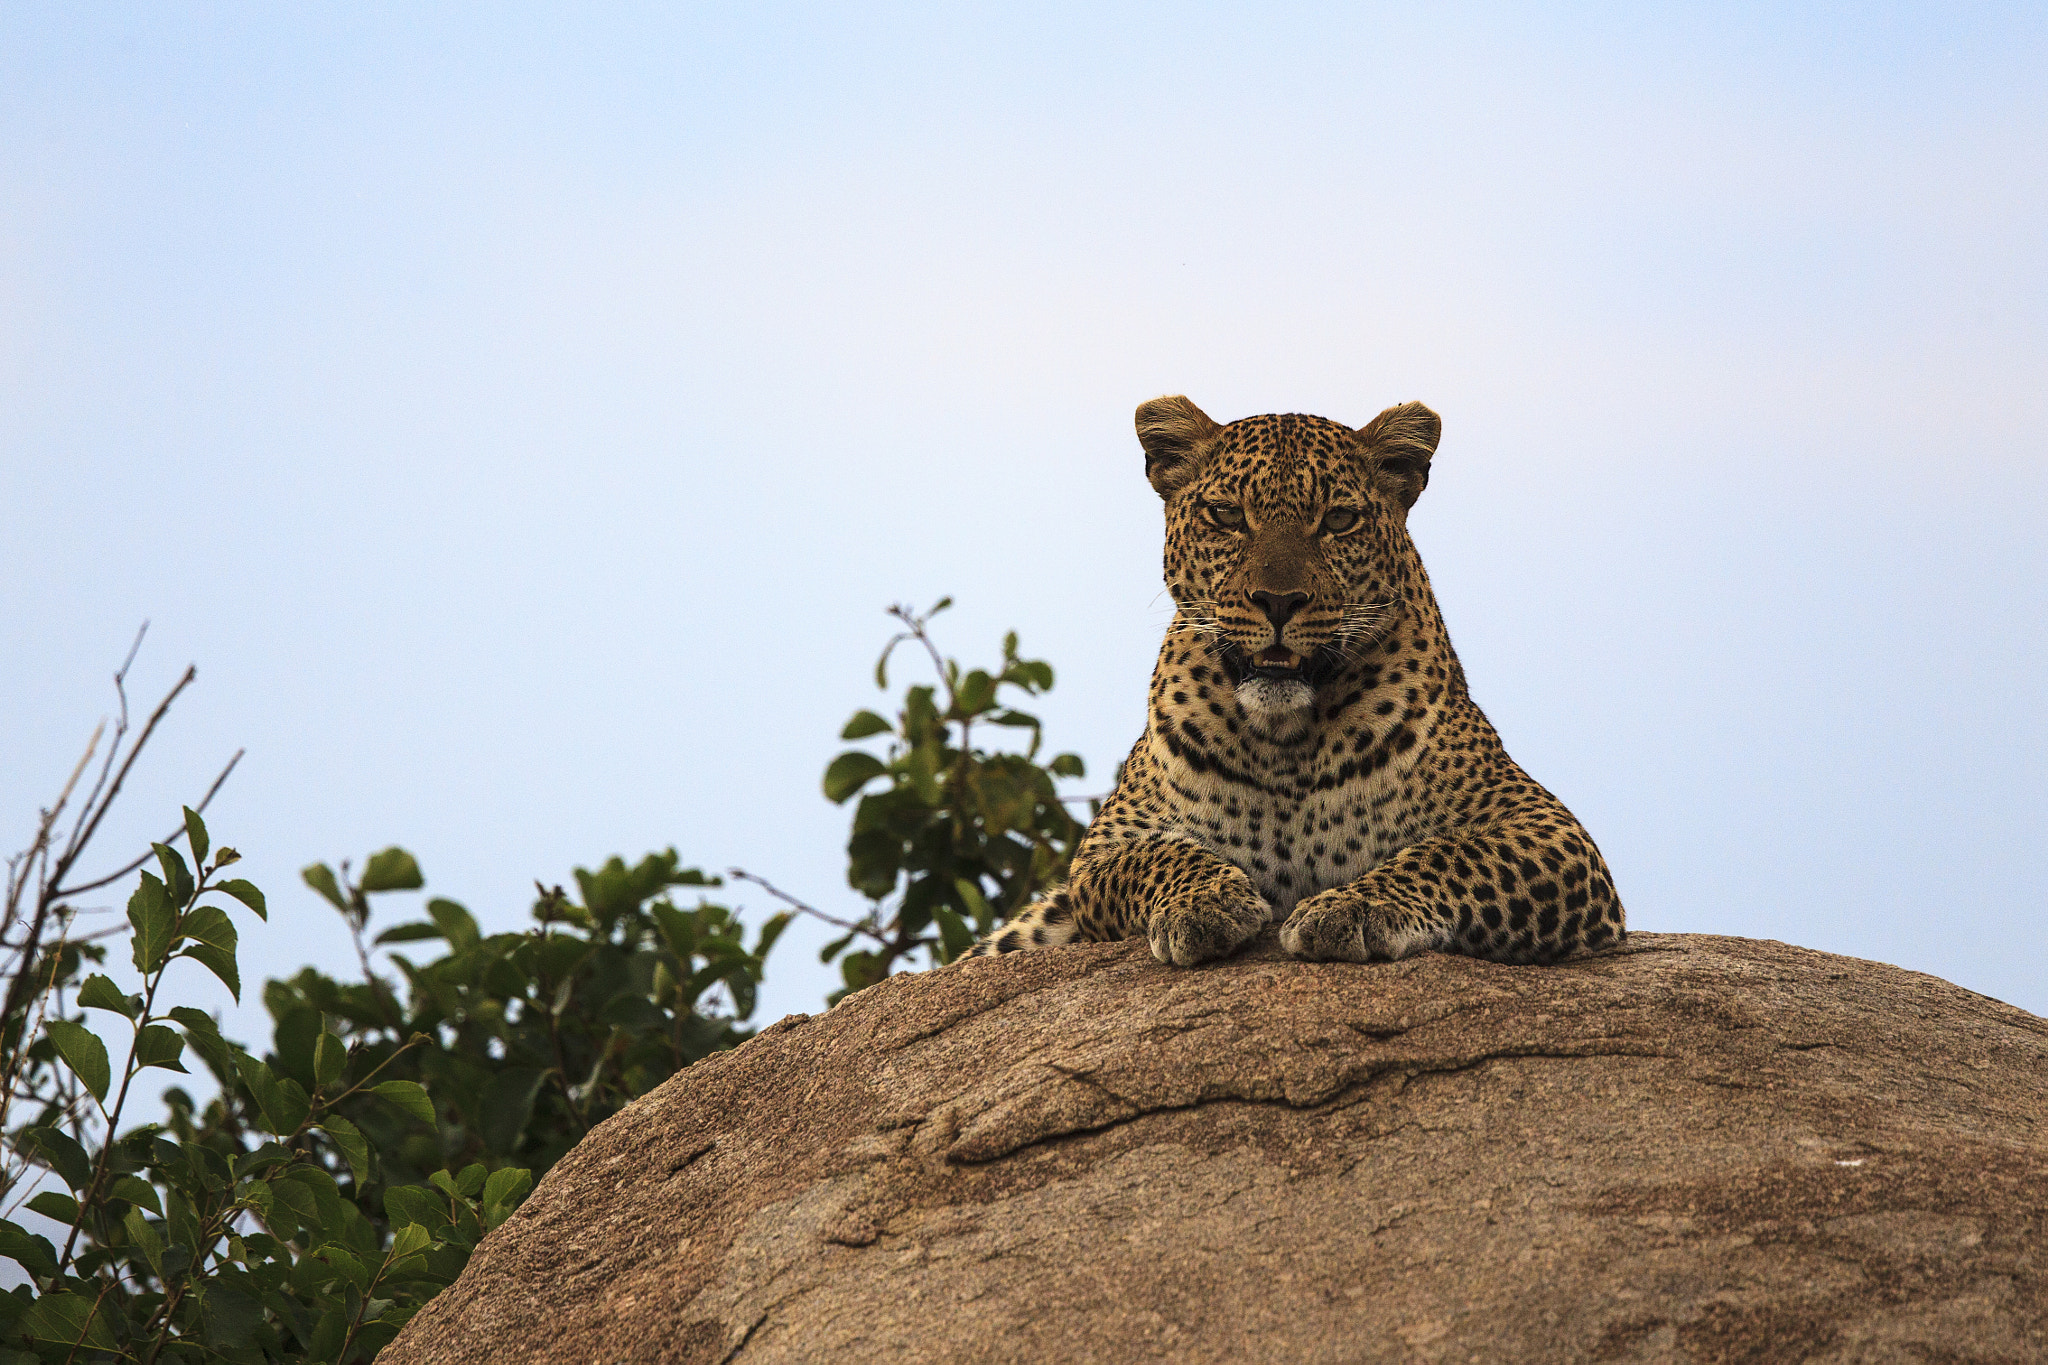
(1692, 1149)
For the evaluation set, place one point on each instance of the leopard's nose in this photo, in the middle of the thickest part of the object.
(1279, 606)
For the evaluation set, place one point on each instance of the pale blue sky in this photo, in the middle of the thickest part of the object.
(522, 415)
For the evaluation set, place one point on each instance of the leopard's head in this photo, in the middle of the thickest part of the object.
(1287, 540)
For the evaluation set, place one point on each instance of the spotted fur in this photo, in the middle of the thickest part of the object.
(1311, 752)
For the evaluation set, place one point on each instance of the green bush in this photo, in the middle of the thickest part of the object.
(322, 1192)
(949, 838)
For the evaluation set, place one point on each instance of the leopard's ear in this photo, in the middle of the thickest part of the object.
(1177, 436)
(1398, 444)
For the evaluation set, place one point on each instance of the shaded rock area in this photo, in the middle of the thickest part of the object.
(1695, 1148)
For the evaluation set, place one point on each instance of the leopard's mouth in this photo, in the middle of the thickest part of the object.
(1276, 663)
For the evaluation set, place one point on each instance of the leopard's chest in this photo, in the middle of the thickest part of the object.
(1295, 832)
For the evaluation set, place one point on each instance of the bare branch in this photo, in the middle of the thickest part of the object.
(106, 802)
(120, 730)
(20, 863)
(740, 874)
(170, 838)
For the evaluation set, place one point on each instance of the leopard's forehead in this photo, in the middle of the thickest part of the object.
(1286, 457)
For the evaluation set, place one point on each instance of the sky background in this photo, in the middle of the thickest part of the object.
(522, 416)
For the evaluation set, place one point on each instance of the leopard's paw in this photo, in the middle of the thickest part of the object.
(1329, 927)
(1210, 920)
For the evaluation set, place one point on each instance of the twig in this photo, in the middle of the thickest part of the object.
(106, 802)
(120, 730)
(740, 874)
(19, 865)
(918, 631)
(170, 838)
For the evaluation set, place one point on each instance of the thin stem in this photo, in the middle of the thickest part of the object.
(170, 838)
(129, 1071)
(355, 1323)
(80, 840)
(387, 1001)
(24, 860)
(120, 729)
(740, 874)
(396, 1053)
(106, 1288)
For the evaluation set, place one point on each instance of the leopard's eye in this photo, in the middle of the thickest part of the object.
(1224, 515)
(1338, 520)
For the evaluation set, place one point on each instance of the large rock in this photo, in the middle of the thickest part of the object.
(1692, 1149)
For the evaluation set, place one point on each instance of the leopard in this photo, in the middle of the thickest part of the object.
(1311, 752)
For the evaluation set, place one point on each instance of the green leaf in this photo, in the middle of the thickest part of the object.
(61, 1153)
(874, 860)
(976, 694)
(195, 834)
(456, 924)
(320, 877)
(409, 1239)
(194, 1019)
(920, 714)
(972, 901)
(348, 1265)
(34, 1254)
(83, 1052)
(298, 1198)
(850, 772)
(330, 1058)
(508, 1105)
(137, 1191)
(58, 1208)
(1067, 765)
(267, 1155)
(218, 961)
(771, 930)
(471, 1181)
(414, 1204)
(954, 935)
(158, 1046)
(232, 1318)
(65, 1319)
(863, 724)
(209, 924)
(410, 1096)
(247, 894)
(1020, 719)
(204, 1034)
(151, 913)
(858, 970)
(328, 1336)
(392, 870)
(414, 932)
(146, 1239)
(283, 1103)
(350, 1139)
(923, 771)
(100, 993)
(176, 876)
(293, 1106)
(298, 1030)
(507, 1186)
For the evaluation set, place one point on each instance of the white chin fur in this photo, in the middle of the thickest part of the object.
(1275, 697)
(1277, 710)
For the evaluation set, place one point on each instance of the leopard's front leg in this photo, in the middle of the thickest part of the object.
(1535, 892)
(1190, 904)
